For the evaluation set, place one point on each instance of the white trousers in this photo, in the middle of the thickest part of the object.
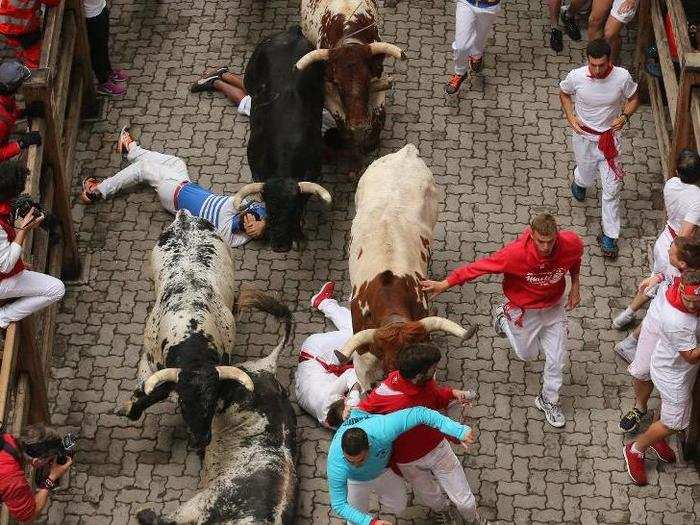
(661, 247)
(389, 488)
(34, 291)
(319, 344)
(543, 329)
(591, 164)
(162, 172)
(472, 26)
(440, 470)
(648, 338)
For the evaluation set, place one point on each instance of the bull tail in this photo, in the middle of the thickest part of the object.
(266, 303)
(148, 517)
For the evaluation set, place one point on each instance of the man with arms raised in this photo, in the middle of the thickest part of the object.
(534, 267)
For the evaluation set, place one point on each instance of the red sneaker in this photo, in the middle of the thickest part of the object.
(454, 84)
(635, 465)
(326, 292)
(90, 193)
(664, 451)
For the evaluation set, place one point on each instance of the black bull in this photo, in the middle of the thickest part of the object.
(285, 145)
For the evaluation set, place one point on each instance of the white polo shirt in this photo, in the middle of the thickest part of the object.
(598, 101)
(672, 375)
(93, 7)
(682, 203)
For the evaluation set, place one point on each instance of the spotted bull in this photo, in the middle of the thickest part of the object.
(391, 236)
(189, 334)
(285, 145)
(345, 34)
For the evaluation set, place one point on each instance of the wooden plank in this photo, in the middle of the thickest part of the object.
(72, 127)
(83, 63)
(695, 114)
(31, 362)
(644, 39)
(64, 67)
(660, 120)
(47, 336)
(52, 35)
(691, 444)
(679, 24)
(681, 130)
(667, 69)
(7, 368)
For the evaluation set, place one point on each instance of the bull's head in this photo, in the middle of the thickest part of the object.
(284, 199)
(354, 71)
(198, 391)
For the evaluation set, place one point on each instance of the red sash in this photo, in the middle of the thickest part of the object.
(606, 145)
(336, 370)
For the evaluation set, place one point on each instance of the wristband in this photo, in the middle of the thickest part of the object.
(48, 484)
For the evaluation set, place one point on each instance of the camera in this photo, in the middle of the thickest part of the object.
(68, 447)
(21, 206)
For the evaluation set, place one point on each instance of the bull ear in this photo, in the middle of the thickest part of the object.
(316, 189)
(236, 374)
(166, 375)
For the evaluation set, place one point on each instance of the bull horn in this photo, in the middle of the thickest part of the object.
(316, 189)
(380, 84)
(166, 375)
(433, 324)
(364, 337)
(385, 48)
(248, 189)
(317, 55)
(236, 374)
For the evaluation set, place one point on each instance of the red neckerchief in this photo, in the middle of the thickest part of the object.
(602, 75)
(396, 381)
(5, 209)
(673, 295)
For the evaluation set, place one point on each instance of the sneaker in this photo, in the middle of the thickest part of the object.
(90, 193)
(124, 140)
(207, 83)
(556, 40)
(449, 516)
(627, 348)
(476, 64)
(454, 84)
(664, 452)
(635, 465)
(326, 292)
(570, 27)
(623, 319)
(578, 192)
(499, 316)
(608, 246)
(111, 89)
(552, 412)
(119, 76)
(631, 420)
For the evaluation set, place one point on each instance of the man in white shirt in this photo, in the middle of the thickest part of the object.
(324, 388)
(473, 22)
(682, 202)
(598, 100)
(683, 255)
(674, 367)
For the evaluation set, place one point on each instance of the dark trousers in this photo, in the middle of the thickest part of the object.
(98, 36)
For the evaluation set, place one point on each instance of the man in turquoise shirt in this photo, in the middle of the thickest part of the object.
(360, 452)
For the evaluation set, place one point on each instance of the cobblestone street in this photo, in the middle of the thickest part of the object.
(499, 152)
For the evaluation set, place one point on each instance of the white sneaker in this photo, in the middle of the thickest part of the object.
(623, 319)
(552, 412)
(627, 348)
(499, 317)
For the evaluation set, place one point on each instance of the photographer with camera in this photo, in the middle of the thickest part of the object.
(12, 75)
(32, 291)
(44, 449)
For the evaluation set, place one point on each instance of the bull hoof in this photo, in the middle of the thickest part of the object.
(147, 517)
(125, 410)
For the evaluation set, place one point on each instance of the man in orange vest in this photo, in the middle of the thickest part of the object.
(20, 24)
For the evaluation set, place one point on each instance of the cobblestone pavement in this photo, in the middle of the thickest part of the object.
(499, 152)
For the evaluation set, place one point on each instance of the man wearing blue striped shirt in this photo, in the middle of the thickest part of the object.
(168, 175)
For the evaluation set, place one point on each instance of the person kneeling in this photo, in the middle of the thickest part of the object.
(32, 291)
(40, 446)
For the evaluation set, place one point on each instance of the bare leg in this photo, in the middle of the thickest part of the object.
(553, 8)
(234, 80)
(638, 301)
(642, 393)
(574, 8)
(233, 93)
(612, 34)
(596, 20)
(656, 432)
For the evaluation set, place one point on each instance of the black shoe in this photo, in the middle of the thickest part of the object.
(630, 421)
(570, 27)
(556, 41)
(207, 83)
(578, 192)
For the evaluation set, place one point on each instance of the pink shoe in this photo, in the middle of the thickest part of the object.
(119, 76)
(326, 292)
(111, 89)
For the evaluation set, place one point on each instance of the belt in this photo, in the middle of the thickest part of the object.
(483, 5)
(336, 370)
(176, 195)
